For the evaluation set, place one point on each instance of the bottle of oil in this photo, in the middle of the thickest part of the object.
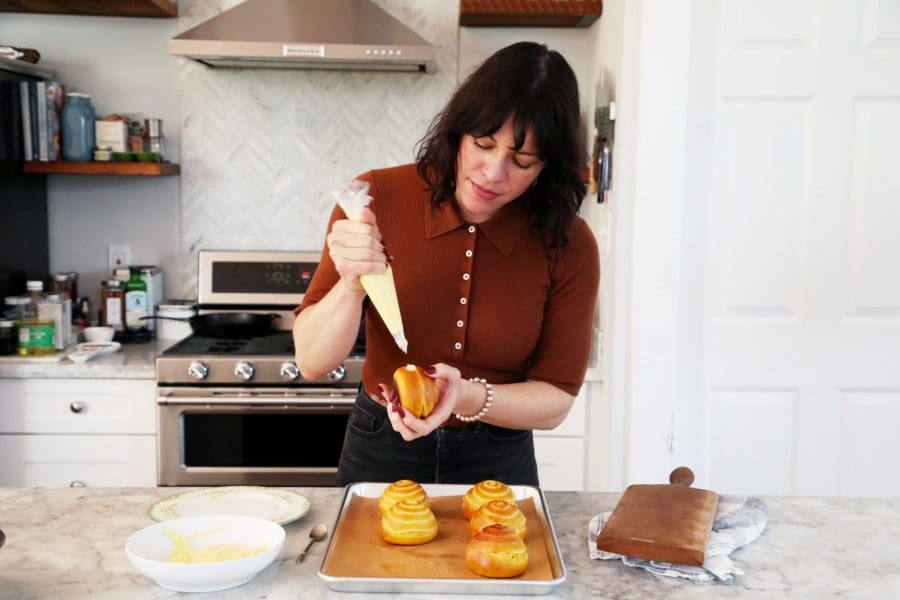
(35, 334)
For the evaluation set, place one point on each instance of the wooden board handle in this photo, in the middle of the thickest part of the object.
(682, 476)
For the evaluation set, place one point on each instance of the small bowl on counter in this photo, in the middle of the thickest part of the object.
(98, 334)
(161, 551)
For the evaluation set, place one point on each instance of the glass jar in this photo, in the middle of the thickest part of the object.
(112, 304)
(15, 307)
(77, 124)
(73, 285)
(62, 284)
(36, 331)
(153, 137)
(9, 337)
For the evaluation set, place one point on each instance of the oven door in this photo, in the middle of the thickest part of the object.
(224, 436)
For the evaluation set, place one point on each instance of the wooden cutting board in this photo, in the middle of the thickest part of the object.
(669, 523)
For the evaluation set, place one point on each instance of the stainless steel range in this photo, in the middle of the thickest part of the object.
(236, 410)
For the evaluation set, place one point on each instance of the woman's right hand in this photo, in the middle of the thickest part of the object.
(356, 248)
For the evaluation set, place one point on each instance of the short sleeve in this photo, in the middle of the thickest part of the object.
(326, 276)
(564, 348)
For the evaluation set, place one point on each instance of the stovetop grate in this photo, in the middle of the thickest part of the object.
(277, 343)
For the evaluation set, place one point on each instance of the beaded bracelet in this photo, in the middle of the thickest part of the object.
(488, 400)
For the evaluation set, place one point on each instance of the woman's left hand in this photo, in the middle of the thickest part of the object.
(410, 427)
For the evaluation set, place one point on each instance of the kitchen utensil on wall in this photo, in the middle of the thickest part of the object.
(604, 127)
(228, 324)
(669, 523)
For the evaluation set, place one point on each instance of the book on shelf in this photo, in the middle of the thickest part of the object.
(10, 121)
(33, 120)
(41, 91)
(37, 115)
(25, 123)
(56, 96)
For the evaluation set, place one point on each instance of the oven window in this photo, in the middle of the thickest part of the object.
(262, 440)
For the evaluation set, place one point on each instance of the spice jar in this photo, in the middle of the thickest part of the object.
(9, 337)
(153, 137)
(112, 304)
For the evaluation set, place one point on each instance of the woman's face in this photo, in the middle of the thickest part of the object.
(491, 173)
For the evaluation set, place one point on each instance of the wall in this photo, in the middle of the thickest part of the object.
(124, 64)
(262, 148)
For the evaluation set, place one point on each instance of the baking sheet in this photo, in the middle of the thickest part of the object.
(357, 559)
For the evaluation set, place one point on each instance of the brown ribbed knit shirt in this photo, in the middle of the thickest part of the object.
(483, 298)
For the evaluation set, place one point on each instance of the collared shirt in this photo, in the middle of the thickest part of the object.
(484, 298)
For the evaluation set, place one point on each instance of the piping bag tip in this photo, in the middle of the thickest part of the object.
(400, 340)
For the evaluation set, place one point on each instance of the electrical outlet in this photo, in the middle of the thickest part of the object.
(118, 256)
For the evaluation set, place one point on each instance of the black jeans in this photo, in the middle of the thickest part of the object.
(373, 451)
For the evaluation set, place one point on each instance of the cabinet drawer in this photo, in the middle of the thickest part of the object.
(61, 460)
(574, 423)
(560, 463)
(75, 406)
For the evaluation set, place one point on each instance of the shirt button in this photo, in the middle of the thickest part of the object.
(465, 276)
(457, 345)
(459, 323)
(471, 229)
(462, 300)
(468, 254)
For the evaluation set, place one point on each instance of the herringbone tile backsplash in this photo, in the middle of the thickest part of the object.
(262, 148)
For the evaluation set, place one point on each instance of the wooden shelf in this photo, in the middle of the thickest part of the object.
(104, 8)
(529, 13)
(145, 169)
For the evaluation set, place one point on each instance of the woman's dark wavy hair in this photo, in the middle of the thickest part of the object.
(537, 88)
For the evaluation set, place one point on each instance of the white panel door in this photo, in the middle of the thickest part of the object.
(800, 360)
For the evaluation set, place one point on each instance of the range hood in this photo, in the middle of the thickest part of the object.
(306, 34)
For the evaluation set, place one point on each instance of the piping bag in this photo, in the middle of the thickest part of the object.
(379, 286)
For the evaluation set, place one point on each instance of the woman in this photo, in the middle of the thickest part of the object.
(496, 276)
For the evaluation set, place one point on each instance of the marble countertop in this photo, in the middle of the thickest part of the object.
(132, 361)
(69, 543)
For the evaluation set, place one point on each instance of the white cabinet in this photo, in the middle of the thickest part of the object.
(60, 432)
(560, 452)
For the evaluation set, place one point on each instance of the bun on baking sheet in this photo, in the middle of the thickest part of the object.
(496, 551)
(499, 512)
(408, 523)
(403, 489)
(483, 492)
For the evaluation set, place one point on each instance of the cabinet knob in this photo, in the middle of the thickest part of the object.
(77, 407)
(77, 483)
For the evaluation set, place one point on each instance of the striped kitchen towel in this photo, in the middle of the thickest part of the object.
(739, 520)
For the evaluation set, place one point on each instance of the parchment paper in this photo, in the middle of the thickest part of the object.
(357, 549)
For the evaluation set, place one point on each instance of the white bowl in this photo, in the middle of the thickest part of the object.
(98, 334)
(149, 550)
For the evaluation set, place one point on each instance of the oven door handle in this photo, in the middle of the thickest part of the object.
(316, 401)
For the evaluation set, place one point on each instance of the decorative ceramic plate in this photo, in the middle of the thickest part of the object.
(280, 506)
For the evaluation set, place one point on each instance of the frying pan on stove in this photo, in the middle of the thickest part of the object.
(228, 325)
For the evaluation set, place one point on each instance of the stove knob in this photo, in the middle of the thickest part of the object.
(338, 374)
(198, 369)
(244, 371)
(289, 371)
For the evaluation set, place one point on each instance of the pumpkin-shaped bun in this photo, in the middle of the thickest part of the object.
(496, 551)
(499, 512)
(404, 489)
(409, 522)
(482, 493)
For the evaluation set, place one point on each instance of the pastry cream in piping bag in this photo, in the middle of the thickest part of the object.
(379, 286)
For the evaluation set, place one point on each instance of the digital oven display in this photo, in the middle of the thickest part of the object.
(262, 277)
